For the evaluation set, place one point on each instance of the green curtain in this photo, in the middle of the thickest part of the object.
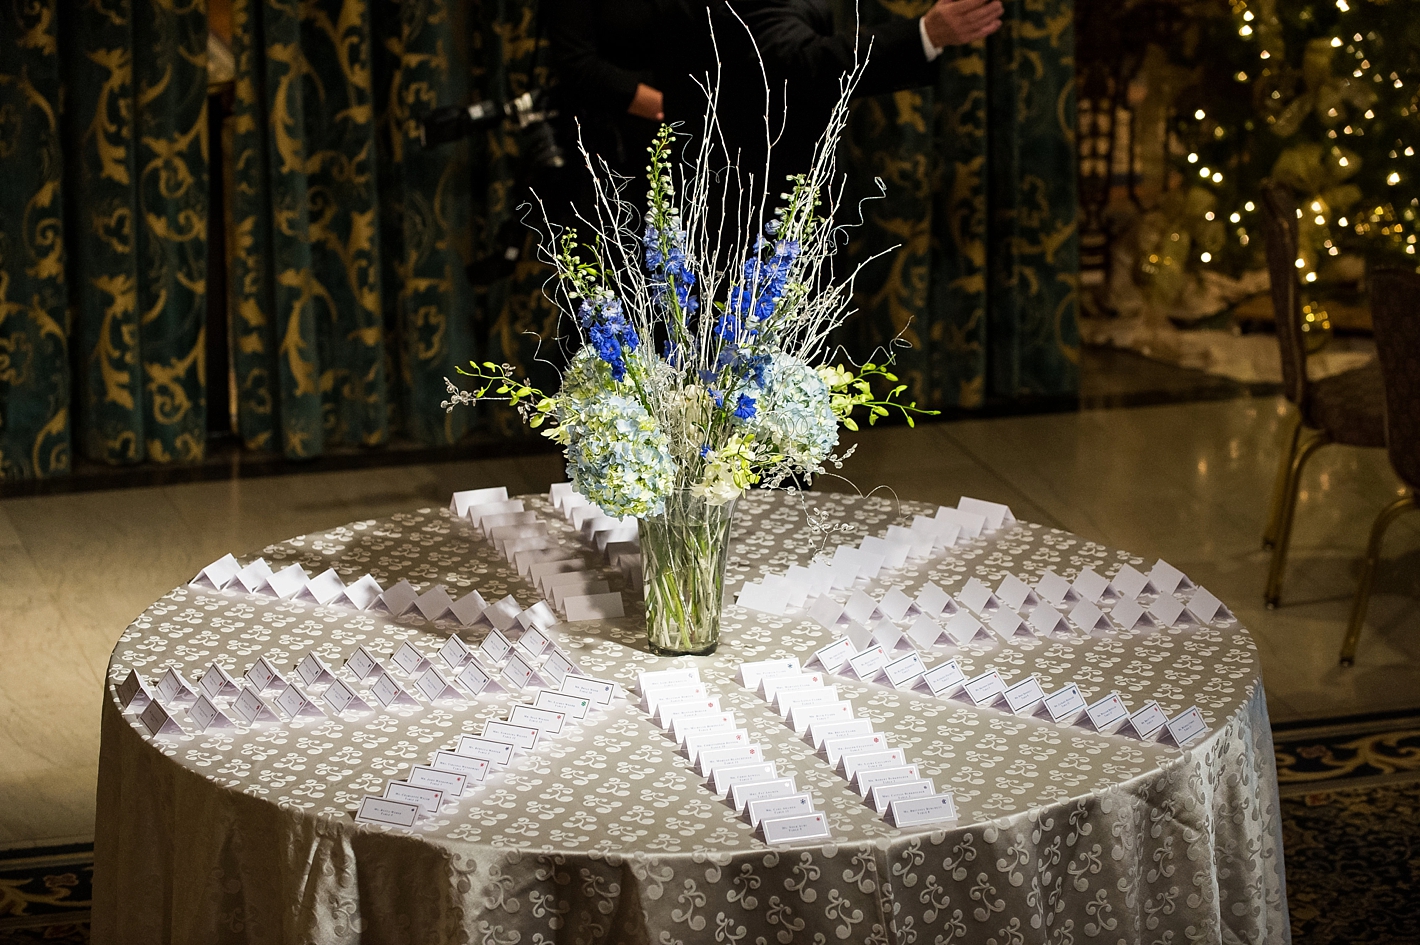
(103, 233)
(980, 177)
(34, 366)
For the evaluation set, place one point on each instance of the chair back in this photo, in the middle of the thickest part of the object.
(1279, 215)
(1395, 312)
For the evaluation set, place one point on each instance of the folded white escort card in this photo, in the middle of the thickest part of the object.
(218, 574)
(133, 692)
(777, 807)
(977, 597)
(206, 716)
(997, 515)
(342, 698)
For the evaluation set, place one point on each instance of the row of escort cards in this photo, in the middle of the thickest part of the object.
(879, 772)
(528, 662)
(719, 749)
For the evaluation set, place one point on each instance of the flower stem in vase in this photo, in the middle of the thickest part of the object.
(684, 551)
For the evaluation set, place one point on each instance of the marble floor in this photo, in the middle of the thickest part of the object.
(1186, 482)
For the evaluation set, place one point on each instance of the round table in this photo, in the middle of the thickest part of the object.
(605, 833)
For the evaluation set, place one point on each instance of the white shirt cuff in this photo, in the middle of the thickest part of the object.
(928, 50)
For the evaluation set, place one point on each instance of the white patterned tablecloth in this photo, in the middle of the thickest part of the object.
(605, 834)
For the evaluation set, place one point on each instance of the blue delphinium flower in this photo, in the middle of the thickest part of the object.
(744, 410)
(609, 333)
(668, 268)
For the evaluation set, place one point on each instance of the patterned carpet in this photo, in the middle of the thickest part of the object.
(1351, 827)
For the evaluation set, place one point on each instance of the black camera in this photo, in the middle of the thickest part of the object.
(542, 166)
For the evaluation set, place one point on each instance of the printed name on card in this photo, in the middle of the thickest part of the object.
(944, 678)
(904, 673)
(1107, 713)
(1148, 721)
(344, 699)
(1024, 696)
(174, 689)
(473, 769)
(1065, 703)
(495, 646)
(450, 782)
(249, 709)
(745, 793)
(880, 796)
(600, 691)
(493, 750)
(867, 781)
(771, 685)
(313, 671)
(727, 776)
(777, 808)
(986, 688)
(803, 717)
(574, 707)
(361, 664)
(158, 722)
(410, 661)
(800, 829)
(544, 720)
(295, 704)
(522, 737)
(378, 810)
(751, 673)
(936, 808)
(476, 680)
(390, 693)
(429, 799)
(206, 716)
(435, 687)
(1186, 726)
(133, 692)
(833, 657)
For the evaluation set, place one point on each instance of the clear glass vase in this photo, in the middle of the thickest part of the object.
(683, 553)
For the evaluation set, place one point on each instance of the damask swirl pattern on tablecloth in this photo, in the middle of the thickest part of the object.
(605, 833)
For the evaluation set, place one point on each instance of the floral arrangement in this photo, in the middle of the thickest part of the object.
(701, 361)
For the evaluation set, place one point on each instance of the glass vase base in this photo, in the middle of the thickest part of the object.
(668, 651)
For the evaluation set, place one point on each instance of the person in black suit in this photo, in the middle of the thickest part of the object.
(804, 57)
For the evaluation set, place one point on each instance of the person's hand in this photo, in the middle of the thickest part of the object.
(648, 103)
(954, 22)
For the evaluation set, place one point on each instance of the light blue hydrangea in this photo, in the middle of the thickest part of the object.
(617, 456)
(795, 414)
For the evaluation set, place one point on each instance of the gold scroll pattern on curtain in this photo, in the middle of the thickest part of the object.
(34, 348)
(137, 180)
(978, 301)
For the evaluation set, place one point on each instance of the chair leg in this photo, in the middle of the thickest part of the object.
(1368, 573)
(1279, 488)
(1273, 593)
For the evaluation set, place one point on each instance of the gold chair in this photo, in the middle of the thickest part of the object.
(1345, 408)
(1395, 311)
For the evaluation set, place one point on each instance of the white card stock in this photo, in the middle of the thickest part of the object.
(708, 760)
(1092, 587)
(689, 726)
(397, 599)
(600, 691)
(434, 603)
(860, 636)
(361, 664)
(962, 628)
(1166, 578)
(206, 716)
(802, 828)
(1046, 620)
(218, 574)
(754, 595)
(451, 783)
(295, 704)
(544, 720)
(831, 658)
(915, 812)
(558, 665)
(1016, 594)
(986, 688)
(217, 683)
(476, 680)
(852, 764)
(978, 597)
(454, 653)
(1206, 608)
(461, 502)
(390, 693)
(379, 810)
(752, 673)
(944, 678)
(996, 514)
(880, 796)
(894, 605)
(174, 689)
(503, 614)
(926, 632)
(313, 671)
(1186, 726)
(1107, 713)
(1148, 721)
(249, 709)
(1025, 696)
(495, 646)
(1089, 618)
(860, 607)
(521, 737)
(133, 692)
(791, 699)
(1055, 589)
(836, 748)
(1166, 609)
(1129, 614)
(867, 664)
(905, 672)
(342, 698)
(772, 684)
(712, 741)
(254, 575)
(727, 776)
(362, 594)
(593, 607)
(919, 544)
(519, 674)
(435, 687)
(429, 799)
(288, 582)
(823, 732)
(744, 794)
(1129, 582)
(489, 749)
(970, 524)
(1006, 623)
(803, 718)
(534, 641)
(473, 769)
(1065, 704)
(409, 660)
(652, 695)
(323, 588)
(868, 781)
(826, 612)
